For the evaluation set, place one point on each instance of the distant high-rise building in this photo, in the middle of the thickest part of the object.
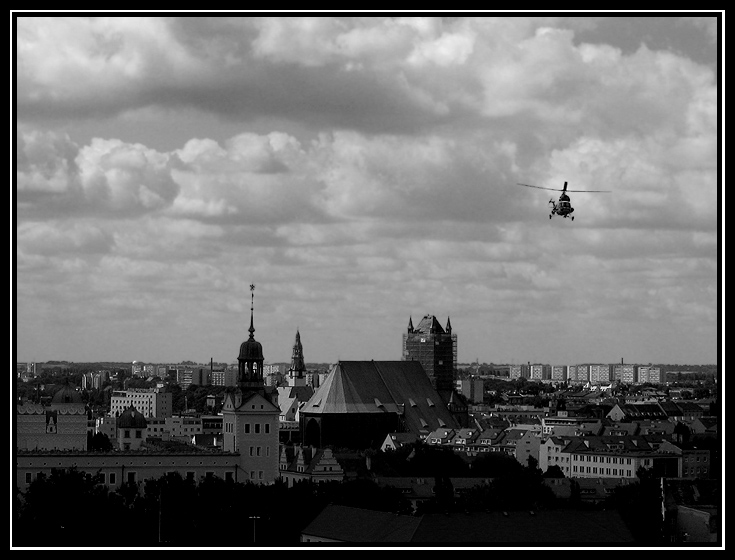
(540, 372)
(224, 377)
(473, 389)
(579, 373)
(434, 348)
(558, 373)
(624, 373)
(649, 374)
(599, 374)
(151, 403)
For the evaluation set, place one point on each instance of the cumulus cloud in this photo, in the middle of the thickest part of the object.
(371, 159)
(107, 176)
(53, 239)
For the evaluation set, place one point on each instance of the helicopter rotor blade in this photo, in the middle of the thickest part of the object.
(560, 190)
(535, 187)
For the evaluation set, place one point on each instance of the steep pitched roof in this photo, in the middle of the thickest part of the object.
(376, 387)
(301, 392)
(670, 408)
(690, 407)
(429, 324)
(524, 527)
(348, 524)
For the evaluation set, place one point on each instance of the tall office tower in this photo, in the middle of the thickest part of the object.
(435, 348)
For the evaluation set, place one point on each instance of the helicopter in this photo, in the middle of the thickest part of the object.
(563, 207)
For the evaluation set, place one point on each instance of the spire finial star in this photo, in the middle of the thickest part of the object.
(251, 329)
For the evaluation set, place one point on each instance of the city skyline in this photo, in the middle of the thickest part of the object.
(361, 172)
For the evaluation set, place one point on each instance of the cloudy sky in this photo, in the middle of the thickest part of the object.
(360, 172)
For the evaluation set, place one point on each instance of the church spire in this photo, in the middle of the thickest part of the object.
(449, 326)
(298, 367)
(410, 324)
(251, 329)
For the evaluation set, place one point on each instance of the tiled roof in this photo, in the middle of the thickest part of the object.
(524, 527)
(348, 524)
(376, 387)
(689, 407)
(429, 324)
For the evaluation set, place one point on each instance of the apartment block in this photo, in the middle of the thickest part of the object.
(599, 374)
(559, 373)
(149, 402)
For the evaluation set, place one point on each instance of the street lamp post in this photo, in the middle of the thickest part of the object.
(254, 517)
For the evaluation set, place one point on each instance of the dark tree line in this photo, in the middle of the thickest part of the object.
(69, 508)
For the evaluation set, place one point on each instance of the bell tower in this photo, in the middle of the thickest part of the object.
(250, 359)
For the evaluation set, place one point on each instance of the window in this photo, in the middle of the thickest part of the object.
(252, 475)
(113, 478)
(29, 477)
(267, 451)
(229, 477)
(127, 434)
(247, 428)
(251, 450)
(138, 434)
(267, 428)
(257, 451)
(260, 475)
(257, 428)
(131, 476)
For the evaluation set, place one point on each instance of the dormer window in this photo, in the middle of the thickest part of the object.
(429, 401)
